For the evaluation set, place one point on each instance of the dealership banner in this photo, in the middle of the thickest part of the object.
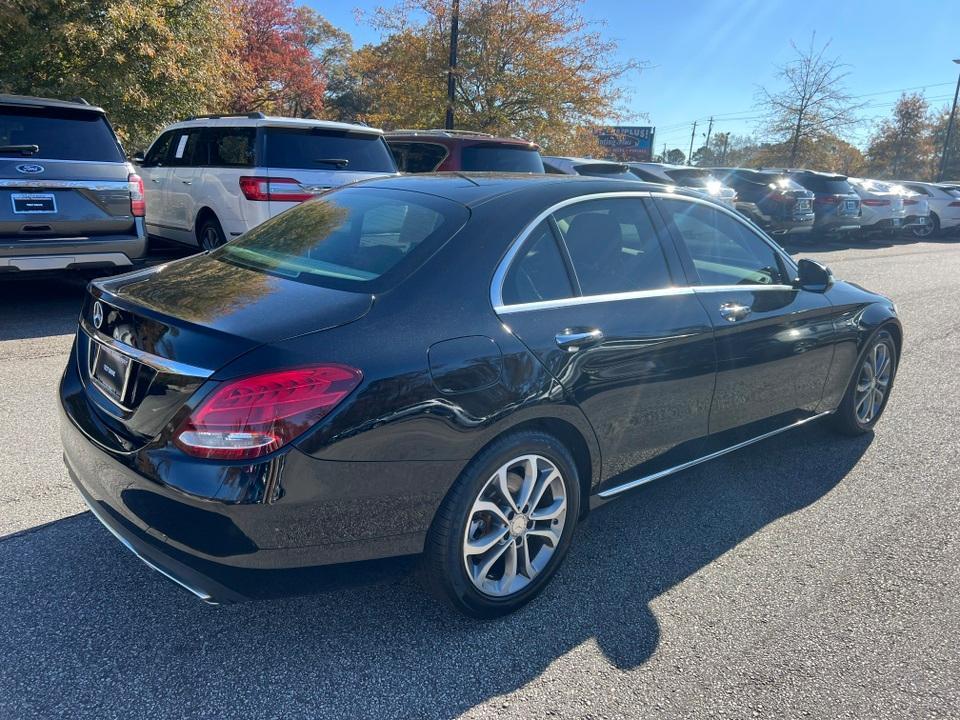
(626, 142)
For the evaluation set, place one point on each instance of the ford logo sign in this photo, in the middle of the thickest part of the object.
(30, 169)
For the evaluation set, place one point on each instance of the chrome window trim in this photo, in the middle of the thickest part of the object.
(616, 490)
(149, 359)
(496, 285)
(66, 184)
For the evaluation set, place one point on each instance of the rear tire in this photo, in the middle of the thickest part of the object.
(504, 527)
(870, 387)
(930, 229)
(210, 235)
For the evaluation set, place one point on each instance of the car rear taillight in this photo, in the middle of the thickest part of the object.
(872, 202)
(910, 201)
(276, 189)
(251, 417)
(827, 200)
(138, 204)
(955, 203)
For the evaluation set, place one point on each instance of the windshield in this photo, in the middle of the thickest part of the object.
(500, 158)
(57, 134)
(324, 149)
(363, 239)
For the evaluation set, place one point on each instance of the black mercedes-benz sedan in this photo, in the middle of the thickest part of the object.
(452, 366)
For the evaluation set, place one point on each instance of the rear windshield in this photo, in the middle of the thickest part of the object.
(59, 134)
(364, 239)
(820, 184)
(614, 172)
(323, 149)
(500, 158)
(691, 177)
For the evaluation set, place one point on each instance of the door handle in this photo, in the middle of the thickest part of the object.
(156, 180)
(572, 340)
(731, 312)
(187, 182)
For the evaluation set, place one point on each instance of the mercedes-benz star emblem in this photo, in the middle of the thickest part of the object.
(97, 314)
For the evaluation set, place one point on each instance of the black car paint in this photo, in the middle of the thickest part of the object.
(756, 199)
(443, 376)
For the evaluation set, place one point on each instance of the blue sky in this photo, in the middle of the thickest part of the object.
(709, 57)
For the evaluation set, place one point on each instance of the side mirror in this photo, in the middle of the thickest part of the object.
(813, 276)
(138, 157)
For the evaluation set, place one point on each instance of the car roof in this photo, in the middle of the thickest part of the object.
(459, 137)
(31, 101)
(261, 120)
(475, 188)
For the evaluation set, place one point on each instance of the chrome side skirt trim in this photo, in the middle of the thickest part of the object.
(610, 492)
(206, 597)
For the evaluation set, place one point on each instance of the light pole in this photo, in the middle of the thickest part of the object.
(452, 71)
(946, 140)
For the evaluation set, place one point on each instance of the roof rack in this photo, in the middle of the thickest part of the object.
(250, 115)
(80, 100)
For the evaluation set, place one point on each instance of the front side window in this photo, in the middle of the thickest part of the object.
(613, 246)
(539, 272)
(417, 157)
(362, 239)
(160, 150)
(724, 251)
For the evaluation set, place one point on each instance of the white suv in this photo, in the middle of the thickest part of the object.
(209, 179)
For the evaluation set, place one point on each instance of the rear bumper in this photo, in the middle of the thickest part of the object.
(66, 253)
(267, 529)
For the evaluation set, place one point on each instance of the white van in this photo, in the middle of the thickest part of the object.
(209, 179)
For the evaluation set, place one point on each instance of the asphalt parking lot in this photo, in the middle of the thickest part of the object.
(809, 575)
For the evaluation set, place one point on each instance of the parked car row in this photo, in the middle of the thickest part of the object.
(76, 202)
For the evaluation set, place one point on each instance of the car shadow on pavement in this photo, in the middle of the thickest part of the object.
(88, 631)
(39, 305)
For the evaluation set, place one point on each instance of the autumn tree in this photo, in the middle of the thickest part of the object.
(146, 63)
(675, 157)
(902, 146)
(534, 68)
(812, 105)
(285, 56)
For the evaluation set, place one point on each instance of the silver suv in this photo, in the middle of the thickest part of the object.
(68, 198)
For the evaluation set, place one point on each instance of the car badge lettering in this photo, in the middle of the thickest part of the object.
(30, 169)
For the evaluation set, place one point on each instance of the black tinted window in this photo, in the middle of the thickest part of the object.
(59, 134)
(183, 147)
(539, 272)
(226, 147)
(500, 158)
(350, 238)
(160, 150)
(613, 246)
(322, 149)
(820, 184)
(724, 251)
(417, 157)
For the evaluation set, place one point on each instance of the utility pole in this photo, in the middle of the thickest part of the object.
(946, 140)
(693, 134)
(723, 152)
(664, 156)
(709, 131)
(452, 71)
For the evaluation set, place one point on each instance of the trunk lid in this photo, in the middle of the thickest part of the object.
(148, 340)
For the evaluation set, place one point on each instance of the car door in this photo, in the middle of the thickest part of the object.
(155, 171)
(179, 192)
(594, 294)
(774, 342)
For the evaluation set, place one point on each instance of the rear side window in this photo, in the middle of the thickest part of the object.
(539, 273)
(724, 251)
(226, 147)
(500, 158)
(323, 149)
(364, 239)
(417, 157)
(59, 134)
(613, 246)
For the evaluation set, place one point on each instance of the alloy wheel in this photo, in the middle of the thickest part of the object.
(515, 525)
(210, 239)
(873, 383)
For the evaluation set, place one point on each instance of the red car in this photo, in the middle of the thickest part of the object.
(420, 151)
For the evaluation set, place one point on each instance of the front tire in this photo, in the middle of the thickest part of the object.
(869, 390)
(505, 526)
